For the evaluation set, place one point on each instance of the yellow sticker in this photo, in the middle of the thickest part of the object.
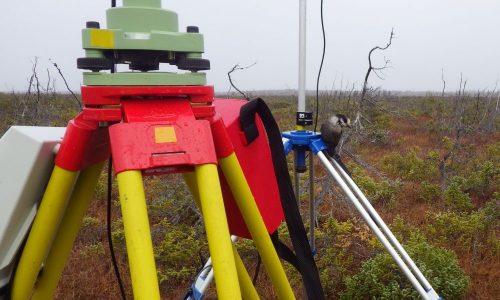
(101, 38)
(165, 135)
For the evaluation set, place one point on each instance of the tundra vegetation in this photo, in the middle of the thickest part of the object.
(430, 164)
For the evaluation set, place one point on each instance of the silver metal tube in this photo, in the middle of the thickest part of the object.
(296, 177)
(375, 216)
(208, 277)
(302, 56)
(312, 212)
(373, 226)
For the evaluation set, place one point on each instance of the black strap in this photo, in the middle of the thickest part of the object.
(283, 251)
(304, 258)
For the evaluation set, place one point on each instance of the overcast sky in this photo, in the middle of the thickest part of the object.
(456, 36)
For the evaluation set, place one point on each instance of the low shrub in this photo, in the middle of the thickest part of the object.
(380, 277)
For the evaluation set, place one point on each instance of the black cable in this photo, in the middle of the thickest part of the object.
(320, 67)
(110, 239)
(113, 3)
(257, 269)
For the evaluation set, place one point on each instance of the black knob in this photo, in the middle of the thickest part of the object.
(94, 63)
(93, 24)
(192, 64)
(192, 29)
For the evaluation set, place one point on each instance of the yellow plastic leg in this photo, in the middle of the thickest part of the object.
(138, 236)
(250, 212)
(219, 243)
(248, 291)
(68, 230)
(190, 179)
(43, 231)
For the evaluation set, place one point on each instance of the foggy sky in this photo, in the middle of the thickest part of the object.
(453, 36)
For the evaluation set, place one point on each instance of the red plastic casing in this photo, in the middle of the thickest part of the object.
(256, 161)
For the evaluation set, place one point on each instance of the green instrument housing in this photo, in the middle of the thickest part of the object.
(142, 35)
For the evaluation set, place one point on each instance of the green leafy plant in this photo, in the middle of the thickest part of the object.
(177, 256)
(429, 192)
(409, 166)
(384, 191)
(455, 196)
(380, 278)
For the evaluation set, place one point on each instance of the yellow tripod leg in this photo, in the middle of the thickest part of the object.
(138, 235)
(219, 243)
(250, 212)
(68, 230)
(248, 290)
(190, 179)
(43, 231)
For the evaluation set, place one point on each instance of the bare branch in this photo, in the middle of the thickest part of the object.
(234, 69)
(370, 65)
(66, 83)
(378, 71)
(37, 86)
(444, 83)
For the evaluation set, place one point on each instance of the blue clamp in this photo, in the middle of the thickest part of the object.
(303, 140)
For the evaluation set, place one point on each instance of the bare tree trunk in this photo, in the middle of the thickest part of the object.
(377, 71)
(444, 84)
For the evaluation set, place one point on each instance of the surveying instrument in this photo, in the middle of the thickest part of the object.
(153, 123)
(150, 123)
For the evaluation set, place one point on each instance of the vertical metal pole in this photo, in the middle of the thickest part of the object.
(302, 56)
(312, 211)
(296, 176)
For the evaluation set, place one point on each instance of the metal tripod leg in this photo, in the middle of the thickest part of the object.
(68, 231)
(425, 292)
(378, 220)
(42, 233)
(138, 235)
(312, 209)
(296, 177)
(219, 243)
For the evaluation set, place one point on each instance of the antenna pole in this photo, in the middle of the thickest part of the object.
(302, 56)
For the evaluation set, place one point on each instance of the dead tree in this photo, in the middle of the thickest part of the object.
(444, 84)
(458, 128)
(378, 71)
(35, 106)
(234, 69)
